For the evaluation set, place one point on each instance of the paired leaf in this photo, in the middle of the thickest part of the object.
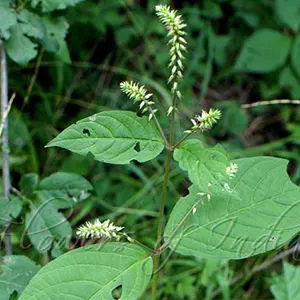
(265, 51)
(15, 273)
(93, 272)
(259, 213)
(286, 287)
(115, 137)
(206, 166)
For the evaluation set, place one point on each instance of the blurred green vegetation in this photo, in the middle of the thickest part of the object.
(239, 52)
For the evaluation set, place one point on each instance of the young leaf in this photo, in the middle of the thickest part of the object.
(93, 272)
(260, 213)
(286, 287)
(115, 137)
(63, 189)
(263, 52)
(45, 225)
(15, 273)
(50, 5)
(206, 166)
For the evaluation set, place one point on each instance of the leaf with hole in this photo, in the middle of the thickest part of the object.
(259, 214)
(93, 272)
(115, 137)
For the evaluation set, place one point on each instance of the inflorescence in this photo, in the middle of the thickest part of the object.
(175, 27)
(139, 94)
(231, 170)
(205, 121)
(105, 230)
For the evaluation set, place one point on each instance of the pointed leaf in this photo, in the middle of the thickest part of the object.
(93, 272)
(115, 137)
(260, 213)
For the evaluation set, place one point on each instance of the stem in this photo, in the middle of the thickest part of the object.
(159, 128)
(160, 224)
(5, 146)
(181, 140)
(163, 201)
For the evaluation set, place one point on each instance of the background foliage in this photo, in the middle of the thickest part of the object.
(239, 52)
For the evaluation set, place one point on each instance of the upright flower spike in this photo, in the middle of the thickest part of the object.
(205, 121)
(138, 94)
(175, 27)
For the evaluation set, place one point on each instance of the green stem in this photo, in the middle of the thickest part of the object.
(160, 224)
(163, 202)
(181, 140)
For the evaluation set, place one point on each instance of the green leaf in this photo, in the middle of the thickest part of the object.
(50, 5)
(8, 18)
(45, 225)
(56, 30)
(296, 53)
(9, 209)
(260, 214)
(288, 79)
(289, 12)
(206, 166)
(263, 52)
(93, 272)
(28, 184)
(20, 48)
(115, 137)
(63, 190)
(286, 287)
(15, 273)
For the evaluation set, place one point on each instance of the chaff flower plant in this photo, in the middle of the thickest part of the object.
(200, 224)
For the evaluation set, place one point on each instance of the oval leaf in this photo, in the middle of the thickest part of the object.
(93, 272)
(206, 166)
(115, 137)
(260, 214)
(265, 51)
